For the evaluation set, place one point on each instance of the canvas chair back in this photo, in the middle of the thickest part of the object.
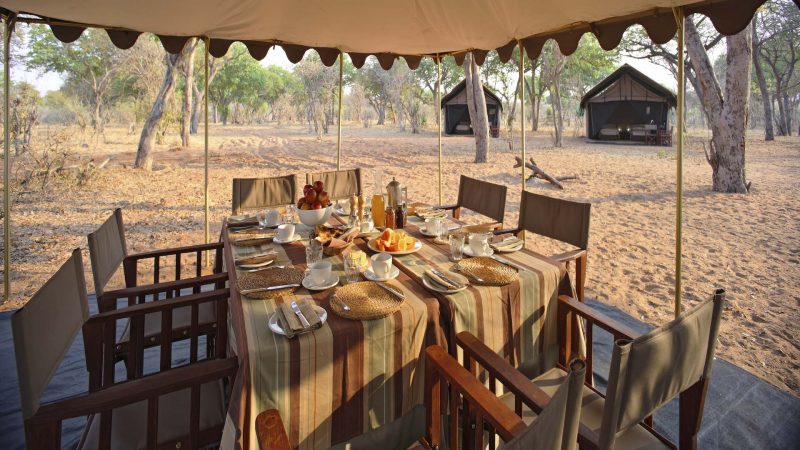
(45, 327)
(254, 193)
(482, 197)
(564, 220)
(556, 427)
(650, 370)
(107, 250)
(340, 184)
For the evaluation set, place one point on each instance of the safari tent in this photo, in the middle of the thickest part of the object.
(456, 113)
(626, 104)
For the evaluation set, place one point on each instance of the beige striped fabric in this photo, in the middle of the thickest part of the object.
(518, 321)
(347, 378)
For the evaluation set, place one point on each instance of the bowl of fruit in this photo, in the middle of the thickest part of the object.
(314, 207)
(394, 242)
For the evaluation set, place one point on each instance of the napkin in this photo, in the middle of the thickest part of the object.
(291, 323)
(349, 235)
(507, 240)
(445, 283)
(238, 221)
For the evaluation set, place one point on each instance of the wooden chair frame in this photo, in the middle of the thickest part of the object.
(270, 431)
(480, 405)
(43, 428)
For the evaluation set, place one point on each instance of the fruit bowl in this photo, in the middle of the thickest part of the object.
(313, 217)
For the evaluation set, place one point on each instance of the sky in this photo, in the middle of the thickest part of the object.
(45, 82)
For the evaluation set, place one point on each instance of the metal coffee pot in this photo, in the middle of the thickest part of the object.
(396, 193)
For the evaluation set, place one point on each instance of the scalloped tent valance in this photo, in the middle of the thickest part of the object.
(387, 29)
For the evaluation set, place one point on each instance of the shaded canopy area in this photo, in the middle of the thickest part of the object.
(626, 100)
(387, 29)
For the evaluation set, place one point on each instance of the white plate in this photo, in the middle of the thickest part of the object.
(294, 238)
(436, 288)
(417, 246)
(331, 282)
(468, 251)
(273, 320)
(372, 276)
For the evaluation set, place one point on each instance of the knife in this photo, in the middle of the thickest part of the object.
(269, 288)
(507, 263)
(449, 280)
(392, 291)
(299, 314)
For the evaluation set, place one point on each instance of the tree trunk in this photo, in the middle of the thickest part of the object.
(144, 159)
(476, 104)
(558, 118)
(769, 133)
(381, 114)
(727, 116)
(188, 90)
(97, 118)
(788, 114)
(198, 98)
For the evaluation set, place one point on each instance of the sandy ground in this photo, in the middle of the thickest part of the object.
(748, 244)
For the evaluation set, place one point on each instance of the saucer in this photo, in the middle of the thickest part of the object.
(331, 282)
(372, 276)
(278, 240)
(468, 251)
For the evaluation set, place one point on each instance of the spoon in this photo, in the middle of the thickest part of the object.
(265, 268)
(341, 302)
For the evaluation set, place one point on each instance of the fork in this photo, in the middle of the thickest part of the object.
(265, 268)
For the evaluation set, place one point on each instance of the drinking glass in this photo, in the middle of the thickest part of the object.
(263, 218)
(288, 216)
(313, 254)
(352, 267)
(456, 247)
(441, 231)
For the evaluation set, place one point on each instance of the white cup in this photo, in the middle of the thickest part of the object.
(382, 264)
(273, 217)
(432, 225)
(366, 226)
(479, 243)
(285, 231)
(320, 272)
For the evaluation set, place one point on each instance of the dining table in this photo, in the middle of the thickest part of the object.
(361, 382)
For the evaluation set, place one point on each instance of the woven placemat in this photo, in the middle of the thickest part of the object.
(270, 277)
(469, 229)
(367, 301)
(252, 242)
(490, 271)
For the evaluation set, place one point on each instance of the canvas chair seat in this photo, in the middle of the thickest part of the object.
(181, 318)
(129, 423)
(592, 406)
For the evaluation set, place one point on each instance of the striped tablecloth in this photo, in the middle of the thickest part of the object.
(517, 320)
(345, 379)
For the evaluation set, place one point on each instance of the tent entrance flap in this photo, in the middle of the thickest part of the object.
(458, 121)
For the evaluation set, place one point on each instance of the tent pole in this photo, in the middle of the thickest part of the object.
(522, 119)
(8, 25)
(339, 119)
(205, 145)
(438, 109)
(680, 19)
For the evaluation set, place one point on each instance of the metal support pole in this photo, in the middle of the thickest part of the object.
(8, 25)
(339, 119)
(439, 118)
(522, 107)
(205, 145)
(680, 19)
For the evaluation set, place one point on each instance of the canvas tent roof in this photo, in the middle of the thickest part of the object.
(460, 87)
(385, 28)
(627, 83)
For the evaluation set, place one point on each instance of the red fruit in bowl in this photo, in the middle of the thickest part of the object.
(318, 186)
(324, 198)
(317, 205)
(311, 196)
(307, 188)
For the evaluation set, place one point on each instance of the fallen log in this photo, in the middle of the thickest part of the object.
(537, 172)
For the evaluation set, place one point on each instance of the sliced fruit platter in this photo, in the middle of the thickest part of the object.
(395, 242)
